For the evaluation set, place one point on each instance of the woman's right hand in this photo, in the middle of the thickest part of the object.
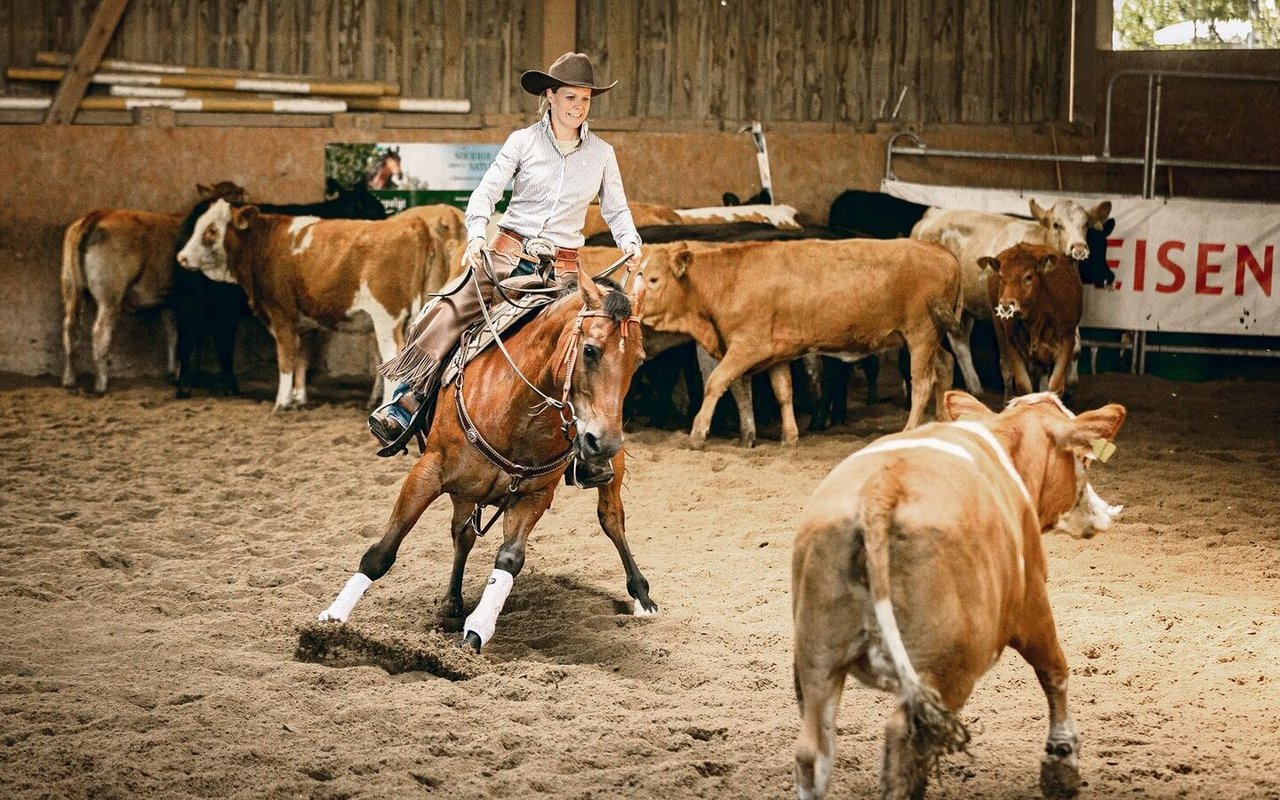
(471, 258)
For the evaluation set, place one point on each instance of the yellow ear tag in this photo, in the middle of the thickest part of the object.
(1102, 449)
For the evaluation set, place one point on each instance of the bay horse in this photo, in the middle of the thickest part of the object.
(583, 348)
(385, 172)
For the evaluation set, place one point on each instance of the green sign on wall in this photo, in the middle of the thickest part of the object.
(407, 175)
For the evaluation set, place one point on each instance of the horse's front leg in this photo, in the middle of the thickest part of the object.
(613, 521)
(464, 538)
(419, 490)
(517, 522)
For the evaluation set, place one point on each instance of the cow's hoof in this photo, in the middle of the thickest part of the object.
(1059, 777)
(697, 442)
(470, 642)
(791, 444)
(182, 394)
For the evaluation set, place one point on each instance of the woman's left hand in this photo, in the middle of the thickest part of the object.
(632, 252)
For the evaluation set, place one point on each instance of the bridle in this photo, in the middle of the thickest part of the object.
(568, 414)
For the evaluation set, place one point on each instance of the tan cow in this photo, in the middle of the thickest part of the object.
(641, 213)
(971, 235)
(758, 305)
(123, 259)
(1037, 298)
(327, 271)
(918, 561)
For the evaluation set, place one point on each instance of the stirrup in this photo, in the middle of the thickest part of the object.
(411, 430)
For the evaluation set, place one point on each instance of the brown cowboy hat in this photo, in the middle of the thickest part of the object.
(570, 69)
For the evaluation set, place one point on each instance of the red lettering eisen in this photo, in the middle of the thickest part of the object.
(1245, 259)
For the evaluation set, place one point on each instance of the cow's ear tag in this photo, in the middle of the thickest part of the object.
(1103, 449)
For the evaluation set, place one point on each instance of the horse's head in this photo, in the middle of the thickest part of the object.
(606, 348)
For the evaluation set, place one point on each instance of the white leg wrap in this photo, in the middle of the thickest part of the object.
(284, 390)
(484, 619)
(347, 599)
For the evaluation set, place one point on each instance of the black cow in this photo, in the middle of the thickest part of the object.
(206, 308)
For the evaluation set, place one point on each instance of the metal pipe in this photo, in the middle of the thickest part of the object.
(1146, 141)
(1194, 350)
(1153, 165)
(1222, 76)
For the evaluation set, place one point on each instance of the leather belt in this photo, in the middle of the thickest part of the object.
(512, 244)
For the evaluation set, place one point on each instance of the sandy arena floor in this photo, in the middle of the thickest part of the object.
(160, 557)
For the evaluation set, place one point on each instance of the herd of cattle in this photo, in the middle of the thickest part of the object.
(876, 589)
(754, 289)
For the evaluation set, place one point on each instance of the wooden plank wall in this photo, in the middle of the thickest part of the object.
(699, 62)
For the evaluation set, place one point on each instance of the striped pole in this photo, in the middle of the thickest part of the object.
(297, 105)
(51, 59)
(350, 88)
(421, 105)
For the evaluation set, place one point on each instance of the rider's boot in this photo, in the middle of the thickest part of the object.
(586, 475)
(395, 422)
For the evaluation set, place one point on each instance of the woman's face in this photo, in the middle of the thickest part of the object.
(569, 106)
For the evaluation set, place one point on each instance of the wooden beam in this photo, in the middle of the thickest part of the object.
(71, 90)
(559, 30)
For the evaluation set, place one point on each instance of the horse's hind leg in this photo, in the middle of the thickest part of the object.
(613, 521)
(464, 538)
(517, 522)
(419, 490)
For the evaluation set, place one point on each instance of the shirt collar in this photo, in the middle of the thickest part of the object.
(584, 132)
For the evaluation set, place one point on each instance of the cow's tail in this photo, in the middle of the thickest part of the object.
(932, 726)
(74, 244)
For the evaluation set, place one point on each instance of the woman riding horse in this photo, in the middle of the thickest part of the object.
(559, 167)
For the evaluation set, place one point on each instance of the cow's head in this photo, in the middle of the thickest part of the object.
(1067, 222)
(1052, 449)
(665, 271)
(221, 225)
(222, 190)
(1020, 271)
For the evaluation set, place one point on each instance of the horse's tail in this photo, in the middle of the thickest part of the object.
(931, 724)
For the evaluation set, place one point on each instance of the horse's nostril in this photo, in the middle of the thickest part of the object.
(590, 443)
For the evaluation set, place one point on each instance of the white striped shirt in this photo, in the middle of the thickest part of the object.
(551, 191)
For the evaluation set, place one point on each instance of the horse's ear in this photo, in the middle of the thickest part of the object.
(591, 297)
(637, 294)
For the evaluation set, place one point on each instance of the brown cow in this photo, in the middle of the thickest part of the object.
(641, 214)
(327, 271)
(918, 560)
(123, 260)
(1037, 299)
(758, 305)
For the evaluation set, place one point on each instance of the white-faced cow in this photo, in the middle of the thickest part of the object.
(758, 305)
(971, 235)
(1037, 299)
(327, 271)
(918, 561)
(123, 260)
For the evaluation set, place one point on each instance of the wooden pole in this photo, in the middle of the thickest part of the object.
(419, 105)
(296, 105)
(51, 59)
(81, 68)
(216, 82)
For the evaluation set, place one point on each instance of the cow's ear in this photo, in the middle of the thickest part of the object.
(204, 192)
(243, 216)
(1099, 213)
(680, 264)
(989, 262)
(1108, 226)
(1046, 266)
(1039, 213)
(957, 404)
(1101, 424)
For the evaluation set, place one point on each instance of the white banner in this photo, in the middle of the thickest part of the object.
(1182, 265)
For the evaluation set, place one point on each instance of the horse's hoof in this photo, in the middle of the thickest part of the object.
(470, 641)
(642, 610)
(1059, 777)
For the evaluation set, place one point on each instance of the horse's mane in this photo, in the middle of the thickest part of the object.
(616, 303)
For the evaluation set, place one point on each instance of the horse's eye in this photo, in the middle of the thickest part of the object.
(591, 353)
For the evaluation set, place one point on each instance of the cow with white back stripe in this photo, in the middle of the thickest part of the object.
(918, 561)
(328, 271)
